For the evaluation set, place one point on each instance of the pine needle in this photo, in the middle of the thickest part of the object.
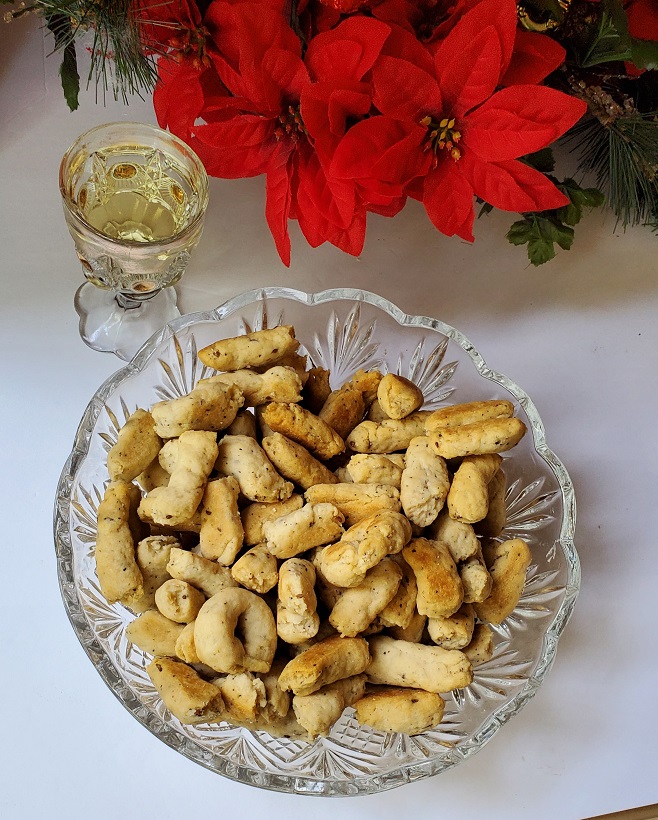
(623, 155)
(118, 62)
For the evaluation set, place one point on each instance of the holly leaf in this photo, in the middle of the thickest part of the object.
(68, 72)
(540, 234)
(580, 198)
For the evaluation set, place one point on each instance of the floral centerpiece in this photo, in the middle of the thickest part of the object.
(350, 107)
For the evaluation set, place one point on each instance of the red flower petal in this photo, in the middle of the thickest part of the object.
(398, 12)
(381, 150)
(511, 186)
(448, 200)
(178, 96)
(519, 120)
(389, 209)
(535, 56)
(317, 195)
(243, 33)
(241, 146)
(326, 110)
(455, 58)
(469, 76)
(405, 46)
(282, 77)
(404, 91)
(643, 19)
(347, 52)
(315, 199)
(277, 204)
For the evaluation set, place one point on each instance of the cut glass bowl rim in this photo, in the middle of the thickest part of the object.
(370, 783)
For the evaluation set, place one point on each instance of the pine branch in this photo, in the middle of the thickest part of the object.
(623, 156)
(118, 61)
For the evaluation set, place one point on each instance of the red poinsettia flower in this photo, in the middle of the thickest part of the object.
(446, 134)
(183, 91)
(284, 115)
(534, 55)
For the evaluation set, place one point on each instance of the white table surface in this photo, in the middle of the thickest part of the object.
(579, 335)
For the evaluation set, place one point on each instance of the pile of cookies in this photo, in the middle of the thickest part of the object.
(290, 550)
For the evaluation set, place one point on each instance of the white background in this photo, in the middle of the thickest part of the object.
(579, 335)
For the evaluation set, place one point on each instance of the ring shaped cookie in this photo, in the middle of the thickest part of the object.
(235, 632)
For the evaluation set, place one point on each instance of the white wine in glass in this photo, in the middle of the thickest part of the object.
(134, 201)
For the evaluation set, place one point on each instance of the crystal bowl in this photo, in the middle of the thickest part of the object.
(342, 330)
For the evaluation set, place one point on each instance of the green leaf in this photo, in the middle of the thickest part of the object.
(541, 234)
(580, 198)
(520, 232)
(588, 197)
(644, 53)
(485, 209)
(564, 236)
(68, 72)
(570, 214)
(542, 160)
(610, 41)
(540, 251)
(61, 27)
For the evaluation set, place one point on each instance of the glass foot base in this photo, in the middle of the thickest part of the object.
(110, 328)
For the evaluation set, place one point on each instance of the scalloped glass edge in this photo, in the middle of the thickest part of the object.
(167, 734)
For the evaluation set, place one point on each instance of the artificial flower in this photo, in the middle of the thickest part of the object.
(283, 115)
(446, 135)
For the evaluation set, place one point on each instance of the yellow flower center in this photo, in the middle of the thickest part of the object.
(442, 136)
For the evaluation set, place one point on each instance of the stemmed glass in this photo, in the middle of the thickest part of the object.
(134, 201)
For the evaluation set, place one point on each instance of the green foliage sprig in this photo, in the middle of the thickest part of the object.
(613, 71)
(541, 232)
(118, 63)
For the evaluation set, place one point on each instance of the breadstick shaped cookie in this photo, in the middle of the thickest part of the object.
(276, 384)
(137, 445)
(257, 349)
(119, 575)
(297, 423)
(207, 407)
(432, 668)
(178, 501)
(328, 661)
(244, 459)
(440, 590)
(362, 547)
(187, 696)
(221, 534)
(507, 563)
(393, 709)
(387, 436)
(459, 414)
(489, 436)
